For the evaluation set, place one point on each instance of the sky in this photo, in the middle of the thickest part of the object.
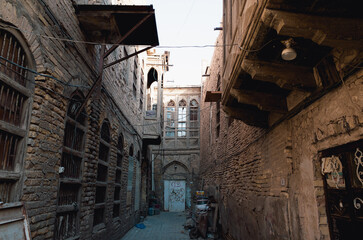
(187, 23)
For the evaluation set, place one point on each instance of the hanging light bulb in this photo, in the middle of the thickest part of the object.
(288, 54)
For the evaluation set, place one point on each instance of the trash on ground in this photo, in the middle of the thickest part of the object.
(140, 225)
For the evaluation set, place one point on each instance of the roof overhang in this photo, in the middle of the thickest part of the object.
(109, 23)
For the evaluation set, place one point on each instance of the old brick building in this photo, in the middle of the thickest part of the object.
(281, 144)
(176, 160)
(72, 112)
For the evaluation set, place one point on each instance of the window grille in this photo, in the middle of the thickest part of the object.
(68, 194)
(102, 172)
(130, 175)
(14, 96)
(67, 226)
(5, 188)
(67, 219)
(10, 49)
(11, 105)
(117, 190)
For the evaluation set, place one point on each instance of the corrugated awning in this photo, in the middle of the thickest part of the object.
(109, 23)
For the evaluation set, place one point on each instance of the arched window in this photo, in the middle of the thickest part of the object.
(170, 119)
(70, 175)
(117, 193)
(182, 118)
(152, 92)
(102, 171)
(193, 118)
(130, 175)
(15, 92)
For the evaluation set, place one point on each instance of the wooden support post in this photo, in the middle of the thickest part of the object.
(97, 83)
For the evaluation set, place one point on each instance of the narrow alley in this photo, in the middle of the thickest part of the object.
(166, 226)
(175, 120)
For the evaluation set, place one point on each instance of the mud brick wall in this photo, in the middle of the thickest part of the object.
(268, 182)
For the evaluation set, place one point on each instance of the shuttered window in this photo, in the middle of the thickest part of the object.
(117, 191)
(102, 172)
(70, 172)
(15, 92)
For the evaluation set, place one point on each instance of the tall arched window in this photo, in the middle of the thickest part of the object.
(170, 119)
(152, 93)
(102, 171)
(67, 220)
(193, 118)
(182, 118)
(15, 91)
(117, 193)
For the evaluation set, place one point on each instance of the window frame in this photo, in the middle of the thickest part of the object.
(170, 120)
(118, 168)
(194, 123)
(99, 183)
(13, 178)
(182, 119)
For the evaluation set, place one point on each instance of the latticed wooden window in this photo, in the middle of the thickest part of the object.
(102, 172)
(182, 118)
(117, 192)
(67, 220)
(193, 118)
(170, 119)
(15, 91)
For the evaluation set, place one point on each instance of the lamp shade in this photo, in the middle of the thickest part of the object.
(288, 54)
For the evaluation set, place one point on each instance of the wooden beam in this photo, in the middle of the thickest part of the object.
(328, 31)
(251, 117)
(127, 57)
(287, 76)
(96, 84)
(263, 101)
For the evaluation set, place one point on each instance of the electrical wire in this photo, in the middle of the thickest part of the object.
(108, 44)
(108, 108)
(43, 75)
(185, 19)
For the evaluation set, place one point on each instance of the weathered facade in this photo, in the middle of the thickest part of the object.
(176, 164)
(71, 124)
(281, 143)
